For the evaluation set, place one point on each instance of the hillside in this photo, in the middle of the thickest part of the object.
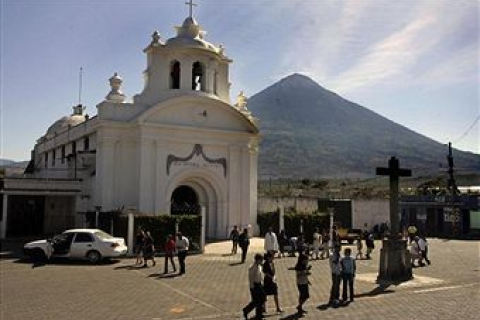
(310, 132)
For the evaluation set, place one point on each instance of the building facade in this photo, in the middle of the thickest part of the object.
(177, 147)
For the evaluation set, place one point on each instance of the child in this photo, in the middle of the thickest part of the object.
(348, 273)
(359, 248)
(303, 271)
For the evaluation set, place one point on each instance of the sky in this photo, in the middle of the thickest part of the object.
(415, 62)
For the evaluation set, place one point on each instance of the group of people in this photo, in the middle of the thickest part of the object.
(419, 251)
(145, 250)
(263, 282)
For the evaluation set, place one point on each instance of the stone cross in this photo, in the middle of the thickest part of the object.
(394, 172)
(191, 5)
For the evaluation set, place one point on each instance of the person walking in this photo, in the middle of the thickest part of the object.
(244, 242)
(415, 252)
(182, 249)
(302, 270)
(271, 242)
(316, 243)
(234, 234)
(169, 253)
(359, 248)
(257, 293)
(325, 249)
(148, 249)
(282, 242)
(349, 269)
(335, 270)
(301, 245)
(370, 243)
(138, 246)
(423, 243)
(412, 232)
(270, 280)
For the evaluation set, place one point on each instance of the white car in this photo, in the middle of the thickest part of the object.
(91, 244)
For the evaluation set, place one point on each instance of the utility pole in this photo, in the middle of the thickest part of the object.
(453, 191)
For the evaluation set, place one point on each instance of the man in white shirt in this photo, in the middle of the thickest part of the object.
(316, 243)
(422, 245)
(182, 249)
(255, 276)
(271, 242)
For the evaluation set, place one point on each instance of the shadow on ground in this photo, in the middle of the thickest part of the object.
(65, 262)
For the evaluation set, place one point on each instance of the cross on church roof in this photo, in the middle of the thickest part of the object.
(394, 170)
(191, 5)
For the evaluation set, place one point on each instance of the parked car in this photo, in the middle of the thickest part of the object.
(90, 244)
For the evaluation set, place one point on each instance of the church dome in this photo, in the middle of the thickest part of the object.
(190, 34)
(64, 123)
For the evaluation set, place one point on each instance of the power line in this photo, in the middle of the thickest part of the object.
(468, 130)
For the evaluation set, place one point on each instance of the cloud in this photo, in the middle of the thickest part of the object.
(459, 66)
(356, 45)
(388, 58)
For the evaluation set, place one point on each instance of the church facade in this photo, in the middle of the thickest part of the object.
(179, 146)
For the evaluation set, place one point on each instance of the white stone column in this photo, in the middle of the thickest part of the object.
(202, 235)
(105, 174)
(146, 188)
(3, 225)
(236, 216)
(131, 226)
(281, 216)
(186, 74)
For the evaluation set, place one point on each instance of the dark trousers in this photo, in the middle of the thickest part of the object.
(169, 257)
(425, 255)
(347, 279)
(234, 247)
(244, 253)
(181, 260)
(335, 290)
(258, 298)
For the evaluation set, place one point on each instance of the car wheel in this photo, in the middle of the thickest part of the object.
(38, 255)
(94, 257)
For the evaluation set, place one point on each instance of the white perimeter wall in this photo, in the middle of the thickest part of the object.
(370, 212)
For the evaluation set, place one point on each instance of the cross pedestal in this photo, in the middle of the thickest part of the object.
(395, 260)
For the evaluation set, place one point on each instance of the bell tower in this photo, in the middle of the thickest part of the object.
(186, 64)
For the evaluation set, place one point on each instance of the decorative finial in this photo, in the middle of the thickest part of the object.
(191, 5)
(78, 109)
(115, 94)
(155, 38)
(241, 105)
(241, 101)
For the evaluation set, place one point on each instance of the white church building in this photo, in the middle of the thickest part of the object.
(179, 145)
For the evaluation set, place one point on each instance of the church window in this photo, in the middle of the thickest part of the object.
(46, 159)
(86, 143)
(54, 155)
(74, 147)
(215, 79)
(198, 77)
(63, 154)
(175, 75)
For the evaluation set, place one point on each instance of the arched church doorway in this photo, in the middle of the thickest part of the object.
(185, 201)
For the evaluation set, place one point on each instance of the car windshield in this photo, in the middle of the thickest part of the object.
(102, 235)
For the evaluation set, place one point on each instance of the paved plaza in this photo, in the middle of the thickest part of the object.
(215, 287)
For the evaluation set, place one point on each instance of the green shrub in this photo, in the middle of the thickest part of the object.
(267, 219)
